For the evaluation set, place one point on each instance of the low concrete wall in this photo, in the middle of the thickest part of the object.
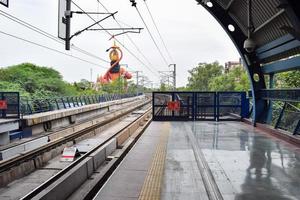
(23, 148)
(50, 121)
(68, 183)
(7, 125)
(30, 166)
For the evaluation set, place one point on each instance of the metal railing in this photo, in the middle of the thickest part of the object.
(284, 108)
(9, 105)
(30, 106)
(287, 95)
(287, 117)
(174, 106)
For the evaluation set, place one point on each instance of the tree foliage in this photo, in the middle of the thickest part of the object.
(44, 82)
(235, 80)
(202, 74)
(32, 79)
(288, 79)
(211, 77)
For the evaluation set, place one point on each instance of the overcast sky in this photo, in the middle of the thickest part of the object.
(190, 33)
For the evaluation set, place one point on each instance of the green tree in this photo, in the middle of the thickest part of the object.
(13, 87)
(163, 87)
(221, 83)
(288, 79)
(234, 80)
(83, 84)
(38, 81)
(116, 87)
(201, 75)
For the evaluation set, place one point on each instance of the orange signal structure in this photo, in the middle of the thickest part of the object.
(115, 71)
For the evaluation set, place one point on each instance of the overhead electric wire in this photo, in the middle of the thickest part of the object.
(129, 38)
(116, 40)
(156, 27)
(49, 48)
(46, 34)
(156, 45)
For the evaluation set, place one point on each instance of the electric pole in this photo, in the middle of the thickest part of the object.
(166, 75)
(174, 76)
(137, 80)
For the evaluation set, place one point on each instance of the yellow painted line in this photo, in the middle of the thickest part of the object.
(152, 184)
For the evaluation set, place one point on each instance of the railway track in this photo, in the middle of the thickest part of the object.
(7, 165)
(56, 182)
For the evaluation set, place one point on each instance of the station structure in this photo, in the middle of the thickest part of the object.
(170, 145)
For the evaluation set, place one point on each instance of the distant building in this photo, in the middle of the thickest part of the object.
(232, 64)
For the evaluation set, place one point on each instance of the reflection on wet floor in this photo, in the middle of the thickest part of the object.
(248, 165)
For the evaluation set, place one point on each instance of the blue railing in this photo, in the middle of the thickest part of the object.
(283, 109)
(32, 106)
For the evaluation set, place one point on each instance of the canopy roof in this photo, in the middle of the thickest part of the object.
(272, 19)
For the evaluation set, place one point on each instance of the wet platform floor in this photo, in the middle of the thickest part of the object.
(244, 163)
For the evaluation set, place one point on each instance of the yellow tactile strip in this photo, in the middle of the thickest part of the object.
(152, 184)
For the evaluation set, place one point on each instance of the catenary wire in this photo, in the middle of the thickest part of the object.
(159, 33)
(46, 34)
(129, 38)
(151, 36)
(49, 48)
(154, 72)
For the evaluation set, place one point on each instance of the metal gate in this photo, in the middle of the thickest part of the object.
(190, 106)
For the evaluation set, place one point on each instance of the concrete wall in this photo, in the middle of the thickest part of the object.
(73, 179)
(7, 125)
(23, 148)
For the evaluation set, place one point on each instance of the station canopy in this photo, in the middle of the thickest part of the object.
(271, 20)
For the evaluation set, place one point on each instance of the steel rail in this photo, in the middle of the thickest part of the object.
(8, 164)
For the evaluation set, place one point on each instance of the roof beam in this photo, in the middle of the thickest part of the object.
(280, 49)
(229, 5)
(269, 20)
(280, 41)
(282, 66)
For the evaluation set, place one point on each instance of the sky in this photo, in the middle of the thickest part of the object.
(190, 33)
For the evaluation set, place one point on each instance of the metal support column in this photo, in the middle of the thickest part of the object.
(270, 108)
(68, 16)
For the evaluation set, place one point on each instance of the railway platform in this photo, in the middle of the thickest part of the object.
(206, 160)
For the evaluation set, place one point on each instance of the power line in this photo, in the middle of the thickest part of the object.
(152, 38)
(46, 34)
(48, 48)
(156, 27)
(129, 38)
(116, 39)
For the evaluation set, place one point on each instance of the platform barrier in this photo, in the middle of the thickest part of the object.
(9, 105)
(189, 106)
